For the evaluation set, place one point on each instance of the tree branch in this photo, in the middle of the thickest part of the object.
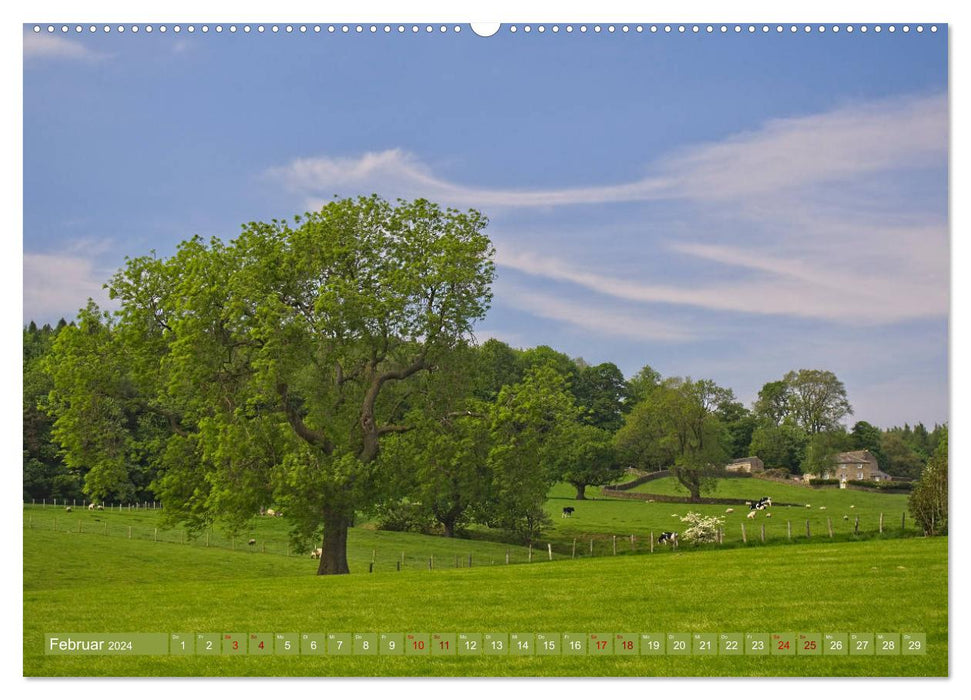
(315, 438)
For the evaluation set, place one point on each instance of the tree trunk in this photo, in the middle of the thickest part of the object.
(333, 558)
(581, 488)
(449, 526)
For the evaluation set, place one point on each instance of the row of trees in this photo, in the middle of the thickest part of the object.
(326, 367)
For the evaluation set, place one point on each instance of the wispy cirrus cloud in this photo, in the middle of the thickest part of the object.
(783, 155)
(52, 46)
(594, 317)
(810, 216)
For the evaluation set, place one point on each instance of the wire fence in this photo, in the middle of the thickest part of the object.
(114, 521)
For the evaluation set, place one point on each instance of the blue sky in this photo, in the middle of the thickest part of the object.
(730, 206)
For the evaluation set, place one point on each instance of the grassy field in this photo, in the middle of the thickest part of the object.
(601, 518)
(88, 583)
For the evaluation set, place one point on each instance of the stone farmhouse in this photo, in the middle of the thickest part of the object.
(858, 465)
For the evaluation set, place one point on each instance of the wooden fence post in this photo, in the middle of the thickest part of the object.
(881, 523)
(615, 545)
(574, 555)
(652, 541)
(903, 520)
(763, 533)
(549, 548)
(829, 526)
(507, 556)
(789, 530)
(470, 560)
(106, 528)
(744, 538)
(207, 543)
(156, 538)
(808, 534)
(591, 547)
(129, 533)
(79, 526)
(530, 552)
(856, 526)
(632, 543)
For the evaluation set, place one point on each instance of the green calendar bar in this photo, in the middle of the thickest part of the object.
(488, 643)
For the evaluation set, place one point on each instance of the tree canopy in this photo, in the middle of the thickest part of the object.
(278, 359)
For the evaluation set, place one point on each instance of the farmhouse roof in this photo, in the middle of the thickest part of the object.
(855, 456)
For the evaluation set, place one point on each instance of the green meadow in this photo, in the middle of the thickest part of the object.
(89, 582)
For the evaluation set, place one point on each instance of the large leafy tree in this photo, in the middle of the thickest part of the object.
(281, 358)
(600, 391)
(928, 501)
(590, 458)
(780, 446)
(44, 473)
(817, 400)
(677, 425)
(439, 471)
(531, 424)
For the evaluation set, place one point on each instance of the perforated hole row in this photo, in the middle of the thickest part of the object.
(512, 29)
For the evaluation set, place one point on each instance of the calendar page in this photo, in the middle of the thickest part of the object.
(530, 349)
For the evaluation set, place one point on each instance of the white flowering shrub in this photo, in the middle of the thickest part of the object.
(701, 528)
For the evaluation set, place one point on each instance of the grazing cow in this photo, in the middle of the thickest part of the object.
(316, 553)
(251, 543)
(751, 514)
(846, 517)
(568, 512)
(92, 506)
(768, 515)
(668, 538)
(68, 509)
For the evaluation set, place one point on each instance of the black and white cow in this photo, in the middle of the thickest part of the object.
(761, 504)
(568, 512)
(668, 537)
